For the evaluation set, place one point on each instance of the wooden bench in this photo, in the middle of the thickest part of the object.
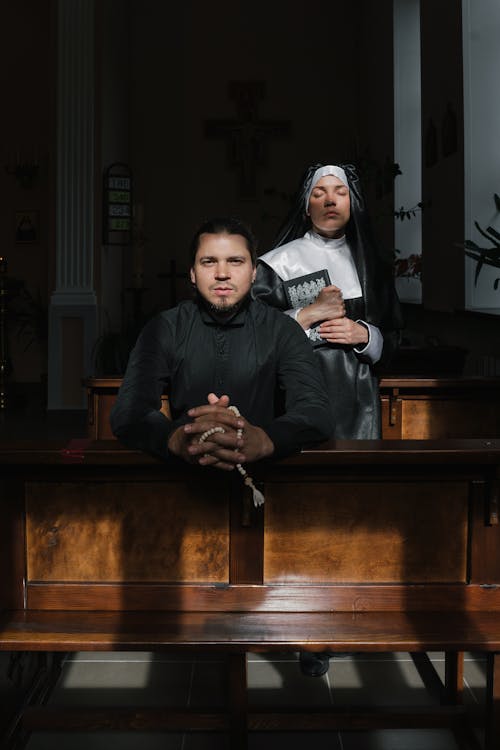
(366, 546)
(413, 408)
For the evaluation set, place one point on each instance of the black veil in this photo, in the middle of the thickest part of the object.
(374, 270)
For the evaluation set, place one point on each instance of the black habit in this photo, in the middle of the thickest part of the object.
(259, 358)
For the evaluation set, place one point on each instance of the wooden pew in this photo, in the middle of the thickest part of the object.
(412, 407)
(365, 546)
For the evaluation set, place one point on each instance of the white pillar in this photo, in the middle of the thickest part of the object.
(407, 138)
(73, 305)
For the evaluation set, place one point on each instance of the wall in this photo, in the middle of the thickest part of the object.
(372, 55)
(26, 61)
(407, 144)
(470, 171)
(481, 32)
(324, 74)
(113, 146)
(165, 70)
(442, 169)
(477, 334)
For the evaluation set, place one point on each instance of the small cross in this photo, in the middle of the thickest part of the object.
(246, 136)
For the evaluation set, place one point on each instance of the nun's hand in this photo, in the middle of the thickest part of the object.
(329, 305)
(344, 331)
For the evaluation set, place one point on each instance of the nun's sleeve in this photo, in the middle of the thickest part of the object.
(268, 287)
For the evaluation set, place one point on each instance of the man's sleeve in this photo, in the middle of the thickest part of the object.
(136, 419)
(308, 416)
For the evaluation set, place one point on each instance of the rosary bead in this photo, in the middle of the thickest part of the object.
(258, 497)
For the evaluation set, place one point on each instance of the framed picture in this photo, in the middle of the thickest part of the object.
(117, 208)
(27, 227)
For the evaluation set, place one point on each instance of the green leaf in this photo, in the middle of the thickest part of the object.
(494, 232)
(479, 265)
(481, 231)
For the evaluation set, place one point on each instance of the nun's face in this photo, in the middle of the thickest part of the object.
(330, 206)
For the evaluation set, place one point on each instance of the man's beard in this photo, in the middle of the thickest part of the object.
(222, 308)
(222, 311)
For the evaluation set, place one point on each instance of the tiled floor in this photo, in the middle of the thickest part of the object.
(155, 679)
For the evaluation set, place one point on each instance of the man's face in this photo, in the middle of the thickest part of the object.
(222, 270)
(330, 206)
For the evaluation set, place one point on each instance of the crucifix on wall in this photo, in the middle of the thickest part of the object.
(247, 136)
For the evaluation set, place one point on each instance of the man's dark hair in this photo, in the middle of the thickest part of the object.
(225, 225)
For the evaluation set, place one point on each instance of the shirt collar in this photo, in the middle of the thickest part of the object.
(331, 242)
(212, 319)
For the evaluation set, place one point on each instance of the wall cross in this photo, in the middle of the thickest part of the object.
(247, 136)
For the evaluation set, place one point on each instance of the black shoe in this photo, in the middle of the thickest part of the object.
(314, 663)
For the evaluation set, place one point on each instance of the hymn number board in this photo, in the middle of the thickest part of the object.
(117, 213)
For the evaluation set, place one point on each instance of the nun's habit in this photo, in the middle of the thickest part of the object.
(355, 265)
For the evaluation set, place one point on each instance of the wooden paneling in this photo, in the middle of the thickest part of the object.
(101, 396)
(435, 417)
(382, 531)
(423, 419)
(485, 535)
(413, 408)
(120, 531)
(427, 408)
(12, 544)
(246, 538)
(280, 597)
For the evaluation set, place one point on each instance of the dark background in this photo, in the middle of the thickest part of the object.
(319, 76)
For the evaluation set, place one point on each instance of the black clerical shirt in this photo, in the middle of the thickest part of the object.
(260, 358)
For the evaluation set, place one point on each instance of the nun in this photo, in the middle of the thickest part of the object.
(327, 272)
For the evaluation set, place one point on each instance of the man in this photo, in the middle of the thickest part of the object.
(222, 349)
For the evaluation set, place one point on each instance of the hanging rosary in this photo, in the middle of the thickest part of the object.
(258, 497)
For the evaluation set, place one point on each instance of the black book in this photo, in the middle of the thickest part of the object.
(303, 290)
